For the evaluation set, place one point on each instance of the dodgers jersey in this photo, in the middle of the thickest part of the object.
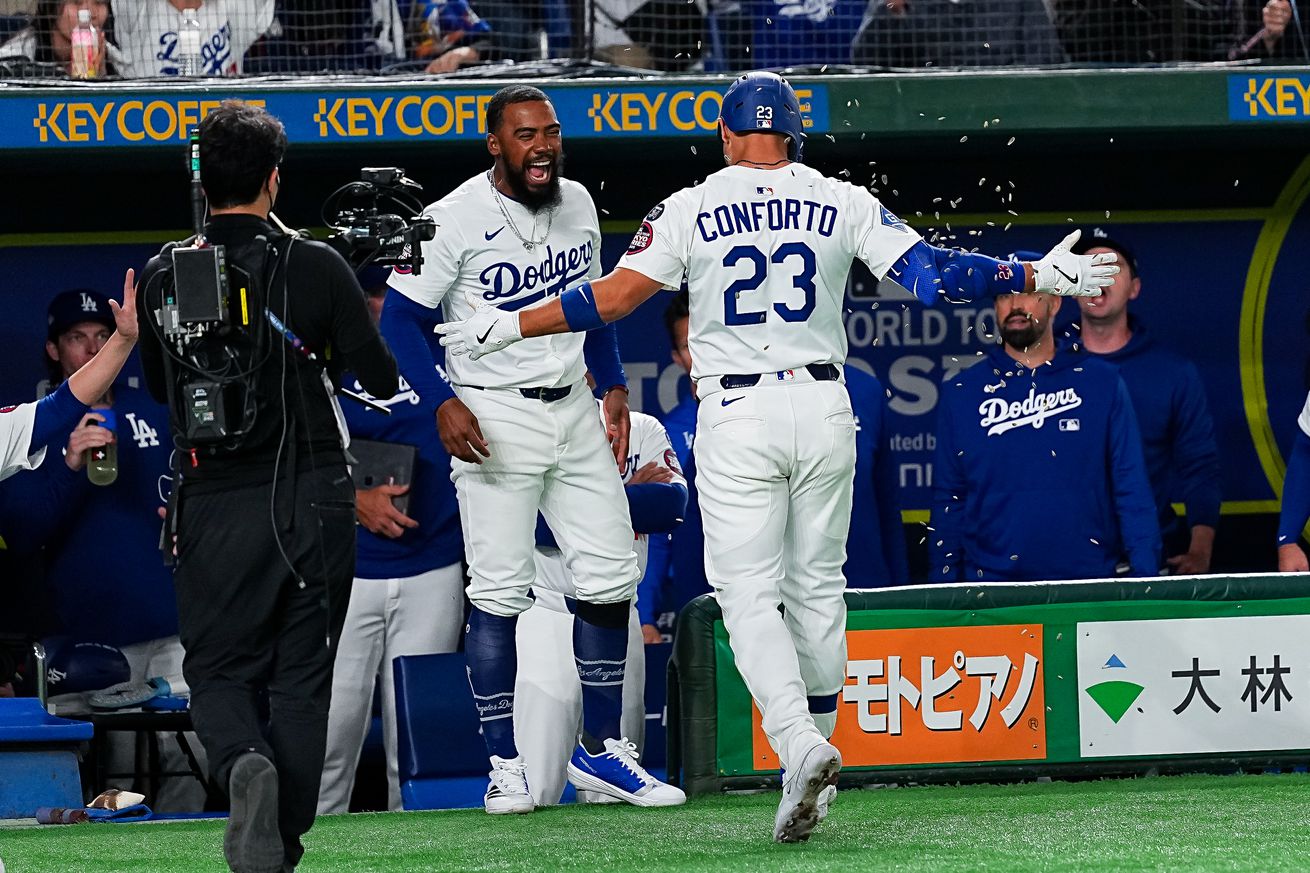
(649, 441)
(766, 254)
(476, 252)
(146, 33)
(16, 423)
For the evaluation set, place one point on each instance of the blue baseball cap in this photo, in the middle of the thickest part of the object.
(74, 307)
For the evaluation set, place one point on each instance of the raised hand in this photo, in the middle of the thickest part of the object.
(1065, 274)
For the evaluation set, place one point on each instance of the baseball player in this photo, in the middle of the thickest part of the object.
(766, 245)
(548, 696)
(521, 429)
(26, 430)
(1296, 499)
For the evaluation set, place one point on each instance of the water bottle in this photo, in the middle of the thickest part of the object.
(86, 48)
(189, 40)
(102, 461)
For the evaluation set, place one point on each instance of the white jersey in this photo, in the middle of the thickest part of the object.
(477, 252)
(766, 254)
(649, 441)
(145, 35)
(16, 423)
(1304, 418)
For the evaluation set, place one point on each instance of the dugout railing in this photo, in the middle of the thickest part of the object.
(1104, 678)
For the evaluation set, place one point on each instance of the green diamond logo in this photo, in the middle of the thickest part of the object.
(1114, 698)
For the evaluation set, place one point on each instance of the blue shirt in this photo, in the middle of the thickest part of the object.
(875, 549)
(104, 569)
(1039, 475)
(1178, 443)
(437, 541)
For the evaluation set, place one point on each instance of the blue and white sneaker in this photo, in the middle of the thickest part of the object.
(508, 792)
(804, 794)
(616, 773)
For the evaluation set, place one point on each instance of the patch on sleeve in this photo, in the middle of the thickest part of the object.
(641, 240)
(656, 212)
(890, 220)
(7, 408)
(671, 459)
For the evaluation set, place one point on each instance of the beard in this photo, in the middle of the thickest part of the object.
(538, 198)
(1022, 337)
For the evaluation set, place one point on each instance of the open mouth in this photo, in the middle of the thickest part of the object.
(539, 171)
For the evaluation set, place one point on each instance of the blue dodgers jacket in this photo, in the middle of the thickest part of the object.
(1039, 475)
(1182, 457)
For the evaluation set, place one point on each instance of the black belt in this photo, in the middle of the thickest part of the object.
(819, 372)
(545, 395)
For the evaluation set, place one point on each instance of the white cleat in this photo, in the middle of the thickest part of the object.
(800, 811)
(826, 797)
(508, 792)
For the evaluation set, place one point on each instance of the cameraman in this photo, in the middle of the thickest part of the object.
(265, 525)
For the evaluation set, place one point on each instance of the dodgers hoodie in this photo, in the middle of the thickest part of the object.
(1039, 474)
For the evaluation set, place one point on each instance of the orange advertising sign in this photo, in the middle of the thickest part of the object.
(937, 695)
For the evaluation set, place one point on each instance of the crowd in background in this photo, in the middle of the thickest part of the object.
(146, 38)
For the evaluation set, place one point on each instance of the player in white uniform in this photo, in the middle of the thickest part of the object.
(548, 696)
(765, 246)
(27, 429)
(1296, 499)
(522, 433)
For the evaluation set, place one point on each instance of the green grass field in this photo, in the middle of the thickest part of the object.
(1166, 823)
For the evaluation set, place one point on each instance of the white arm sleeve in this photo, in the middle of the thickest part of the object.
(443, 255)
(880, 238)
(661, 247)
(16, 423)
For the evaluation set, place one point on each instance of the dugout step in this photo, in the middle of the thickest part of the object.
(38, 758)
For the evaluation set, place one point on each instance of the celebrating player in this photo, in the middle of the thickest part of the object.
(766, 245)
(523, 434)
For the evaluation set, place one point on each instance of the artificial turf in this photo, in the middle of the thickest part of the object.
(1163, 823)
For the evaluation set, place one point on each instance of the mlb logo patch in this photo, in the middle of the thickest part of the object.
(763, 123)
(1070, 424)
(786, 375)
(765, 190)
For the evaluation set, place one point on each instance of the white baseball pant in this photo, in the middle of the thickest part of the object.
(548, 695)
(553, 457)
(386, 618)
(775, 465)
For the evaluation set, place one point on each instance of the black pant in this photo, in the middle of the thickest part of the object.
(250, 626)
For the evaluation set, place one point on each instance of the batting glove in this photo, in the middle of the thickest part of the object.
(1065, 274)
(487, 330)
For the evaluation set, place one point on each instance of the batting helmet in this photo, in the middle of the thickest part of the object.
(765, 102)
(74, 667)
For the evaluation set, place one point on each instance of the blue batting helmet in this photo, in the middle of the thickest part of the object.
(765, 102)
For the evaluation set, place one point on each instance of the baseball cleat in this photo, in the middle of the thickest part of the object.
(805, 793)
(825, 799)
(252, 842)
(616, 773)
(508, 792)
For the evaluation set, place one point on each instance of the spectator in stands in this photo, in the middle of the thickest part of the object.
(944, 33)
(408, 593)
(103, 565)
(1178, 442)
(1039, 472)
(1276, 38)
(1296, 499)
(146, 35)
(309, 36)
(48, 40)
(788, 33)
(665, 35)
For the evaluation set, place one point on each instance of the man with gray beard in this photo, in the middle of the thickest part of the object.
(1039, 432)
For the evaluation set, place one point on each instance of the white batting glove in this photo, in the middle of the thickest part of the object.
(1065, 274)
(487, 330)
